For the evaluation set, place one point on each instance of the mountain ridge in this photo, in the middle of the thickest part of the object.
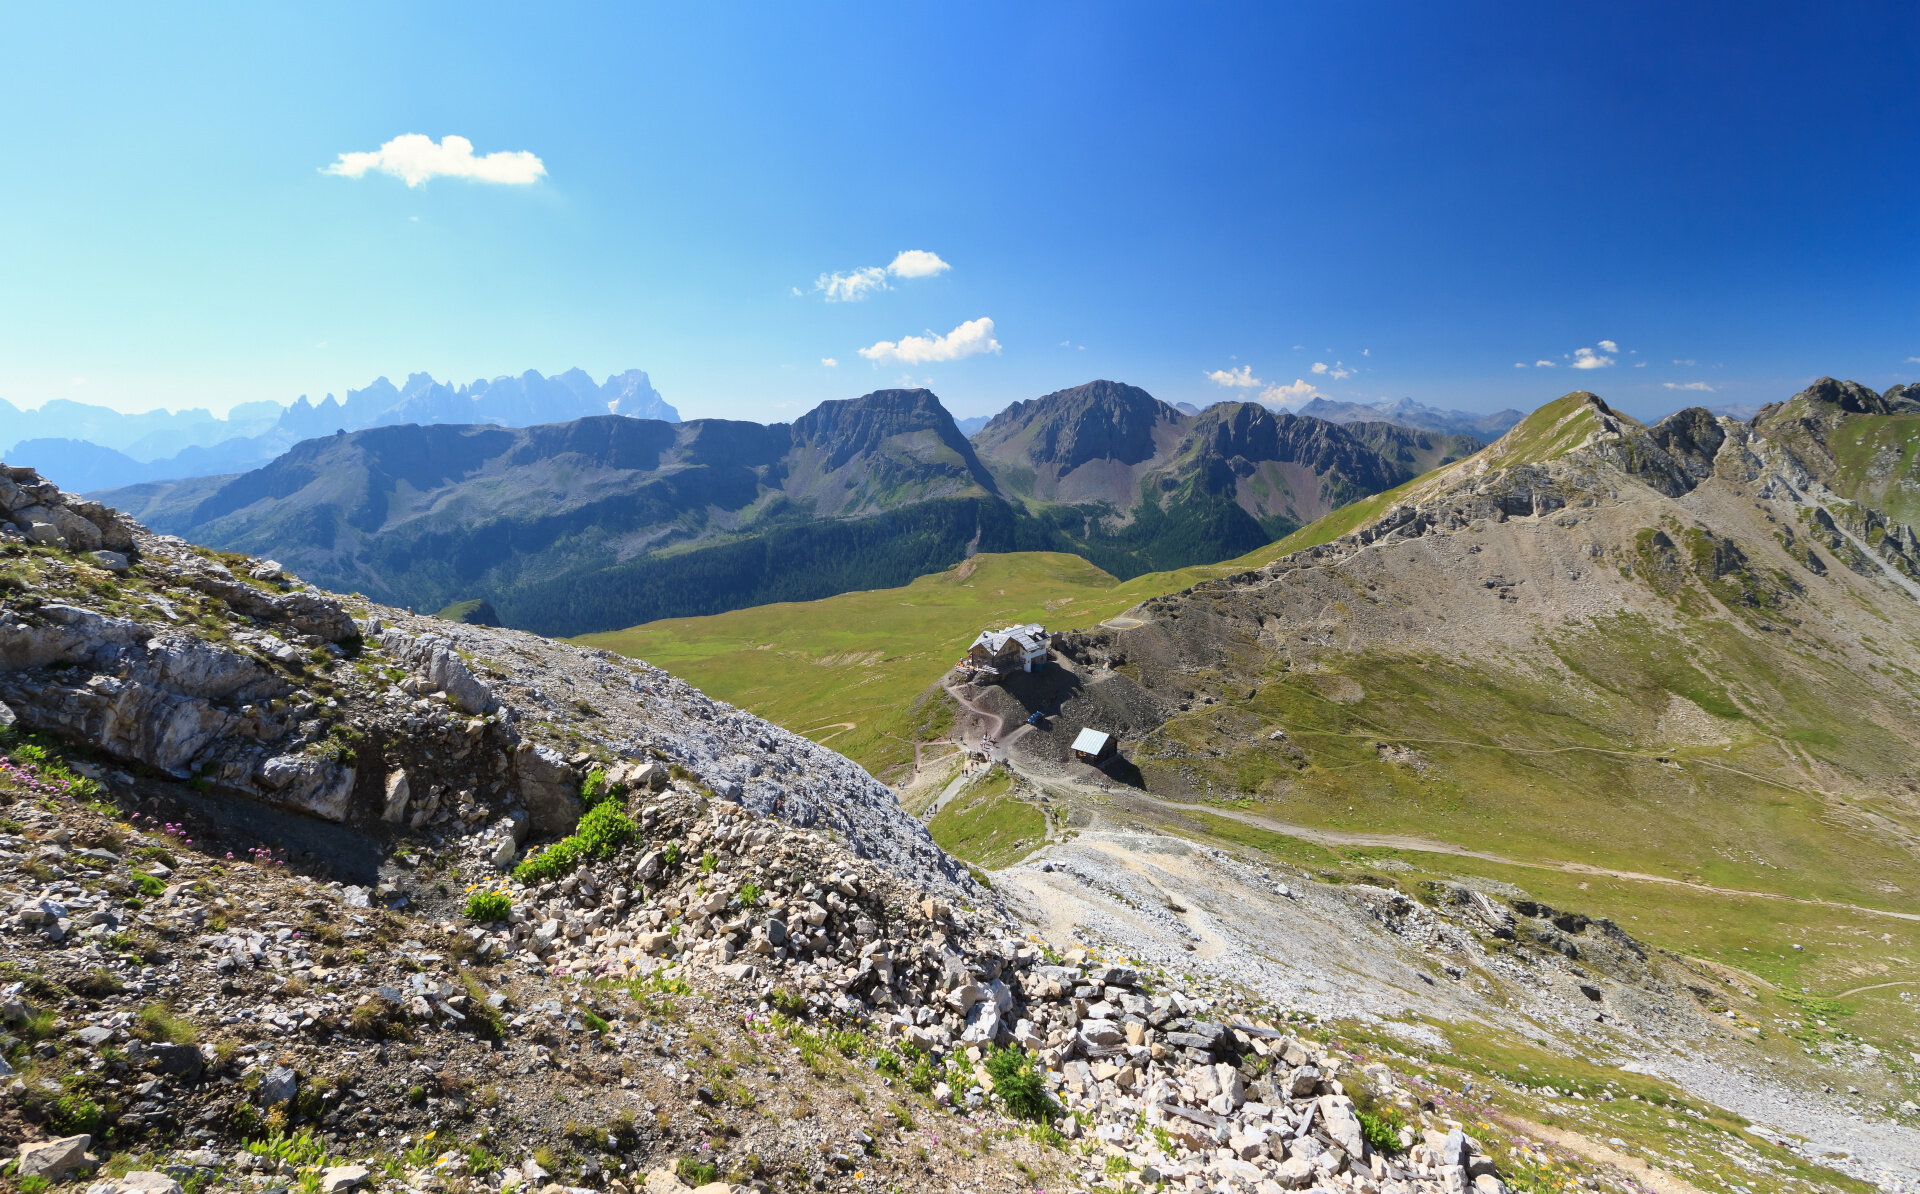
(609, 521)
(1135, 474)
(1405, 412)
(94, 447)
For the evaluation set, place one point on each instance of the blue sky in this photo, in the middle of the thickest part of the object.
(1416, 197)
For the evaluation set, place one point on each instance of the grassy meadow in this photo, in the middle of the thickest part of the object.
(853, 671)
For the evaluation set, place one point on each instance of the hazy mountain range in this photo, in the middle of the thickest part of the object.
(1408, 413)
(603, 522)
(90, 447)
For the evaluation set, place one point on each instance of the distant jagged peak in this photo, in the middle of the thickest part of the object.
(1100, 419)
(1114, 402)
(889, 411)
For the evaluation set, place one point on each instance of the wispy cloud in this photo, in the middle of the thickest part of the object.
(413, 158)
(1290, 395)
(1519, 364)
(968, 340)
(1241, 378)
(1701, 386)
(1337, 371)
(854, 285)
(1543, 364)
(829, 362)
(1691, 362)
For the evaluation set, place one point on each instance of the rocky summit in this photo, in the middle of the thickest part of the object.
(302, 891)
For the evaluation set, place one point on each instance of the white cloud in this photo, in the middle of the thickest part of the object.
(1586, 358)
(1241, 378)
(1609, 346)
(917, 263)
(1639, 364)
(969, 339)
(1294, 395)
(413, 158)
(1913, 360)
(829, 362)
(1337, 370)
(853, 286)
(1679, 362)
(1519, 364)
(1691, 385)
(1543, 364)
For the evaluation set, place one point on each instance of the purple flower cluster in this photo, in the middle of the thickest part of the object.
(35, 781)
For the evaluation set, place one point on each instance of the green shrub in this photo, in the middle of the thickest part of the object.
(596, 789)
(750, 893)
(549, 864)
(695, 1173)
(601, 834)
(157, 1022)
(1381, 1127)
(487, 907)
(604, 830)
(151, 885)
(1021, 1088)
(74, 1115)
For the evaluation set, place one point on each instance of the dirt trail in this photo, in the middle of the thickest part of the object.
(1905, 982)
(1400, 841)
(997, 751)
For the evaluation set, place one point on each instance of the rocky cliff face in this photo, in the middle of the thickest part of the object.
(225, 671)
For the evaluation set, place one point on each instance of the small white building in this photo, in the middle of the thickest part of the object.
(998, 653)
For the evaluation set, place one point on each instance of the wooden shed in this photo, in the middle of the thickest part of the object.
(1094, 746)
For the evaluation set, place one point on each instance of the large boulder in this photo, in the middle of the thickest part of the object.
(434, 660)
(52, 1159)
(548, 788)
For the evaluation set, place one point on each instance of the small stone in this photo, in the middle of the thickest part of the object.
(341, 1178)
(146, 1181)
(398, 792)
(279, 1085)
(112, 561)
(663, 1181)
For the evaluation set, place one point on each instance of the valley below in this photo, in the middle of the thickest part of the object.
(1544, 822)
